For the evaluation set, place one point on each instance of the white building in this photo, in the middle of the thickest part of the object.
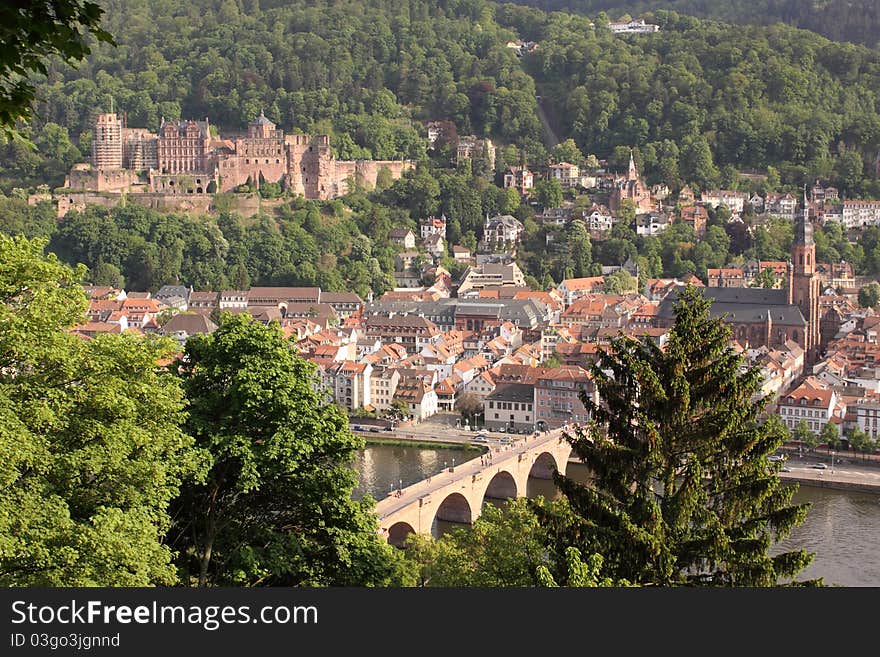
(811, 401)
(502, 229)
(860, 213)
(634, 27)
(735, 201)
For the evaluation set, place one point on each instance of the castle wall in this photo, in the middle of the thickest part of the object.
(104, 180)
(247, 206)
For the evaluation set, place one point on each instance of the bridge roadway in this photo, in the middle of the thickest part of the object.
(457, 494)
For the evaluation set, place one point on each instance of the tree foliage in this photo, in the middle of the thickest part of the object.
(275, 506)
(33, 34)
(91, 450)
(505, 547)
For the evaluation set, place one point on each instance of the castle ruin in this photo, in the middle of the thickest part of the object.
(185, 158)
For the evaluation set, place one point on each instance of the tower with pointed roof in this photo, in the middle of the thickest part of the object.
(634, 189)
(803, 283)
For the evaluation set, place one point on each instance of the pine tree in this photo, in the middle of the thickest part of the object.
(683, 492)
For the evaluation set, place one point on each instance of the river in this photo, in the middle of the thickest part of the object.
(842, 528)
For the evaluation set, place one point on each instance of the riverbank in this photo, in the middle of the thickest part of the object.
(424, 444)
(836, 480)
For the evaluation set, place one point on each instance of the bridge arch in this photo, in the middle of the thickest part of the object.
(501, 487)
(540, 473)
(398, 533)
(453, 508)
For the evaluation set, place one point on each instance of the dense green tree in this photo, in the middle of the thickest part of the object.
(33, 33)
(869, 295)
(504, 547)
(765, 278)
(548, 192)
(568, 151)
(683, 492)
(275, 507)
(620, 282)
(830, 435)
(626, 213)
(803, 433)
(860, 441)
(91, 450)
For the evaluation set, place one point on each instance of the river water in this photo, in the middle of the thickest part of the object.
(842, 528)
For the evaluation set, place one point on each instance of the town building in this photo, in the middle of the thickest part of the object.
(502, 229)
(861, 213)
(731, 277)
(567, 174)
(633, 27)
(510, 408)
(557, 397)
(770, 317)
(813, 402)
(520, 179)
(735, 201)
(432, 226)
(402, 237)
(477, 277)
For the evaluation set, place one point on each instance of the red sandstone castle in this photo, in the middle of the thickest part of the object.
(185, 158)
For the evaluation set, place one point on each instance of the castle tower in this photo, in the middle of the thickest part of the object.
(803, 283)
(107, 142)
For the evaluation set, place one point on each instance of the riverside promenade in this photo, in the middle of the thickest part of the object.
(844, 476)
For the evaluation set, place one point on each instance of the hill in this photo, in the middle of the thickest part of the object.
(857, 21)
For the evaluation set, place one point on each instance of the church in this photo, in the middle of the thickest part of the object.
(760, 316)
(634, 189)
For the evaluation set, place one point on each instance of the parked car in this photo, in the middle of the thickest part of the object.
(820, 466)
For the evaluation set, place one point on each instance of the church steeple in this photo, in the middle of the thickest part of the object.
(803, 227)
(633, 173)
(803, 283)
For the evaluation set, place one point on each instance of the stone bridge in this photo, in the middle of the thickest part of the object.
(458, 493)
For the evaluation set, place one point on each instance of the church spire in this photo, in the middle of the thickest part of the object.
(803, 228)
(633, 171)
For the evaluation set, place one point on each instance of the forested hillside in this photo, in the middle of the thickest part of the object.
(700, 95)
(695, 98)
(857, 21)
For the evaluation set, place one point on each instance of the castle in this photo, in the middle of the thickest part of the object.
(186, 158)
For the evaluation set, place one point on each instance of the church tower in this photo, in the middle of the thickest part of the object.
(803, 283)
(633, 173)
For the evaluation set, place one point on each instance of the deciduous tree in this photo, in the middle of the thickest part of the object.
(275, 507)
(91, 450)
